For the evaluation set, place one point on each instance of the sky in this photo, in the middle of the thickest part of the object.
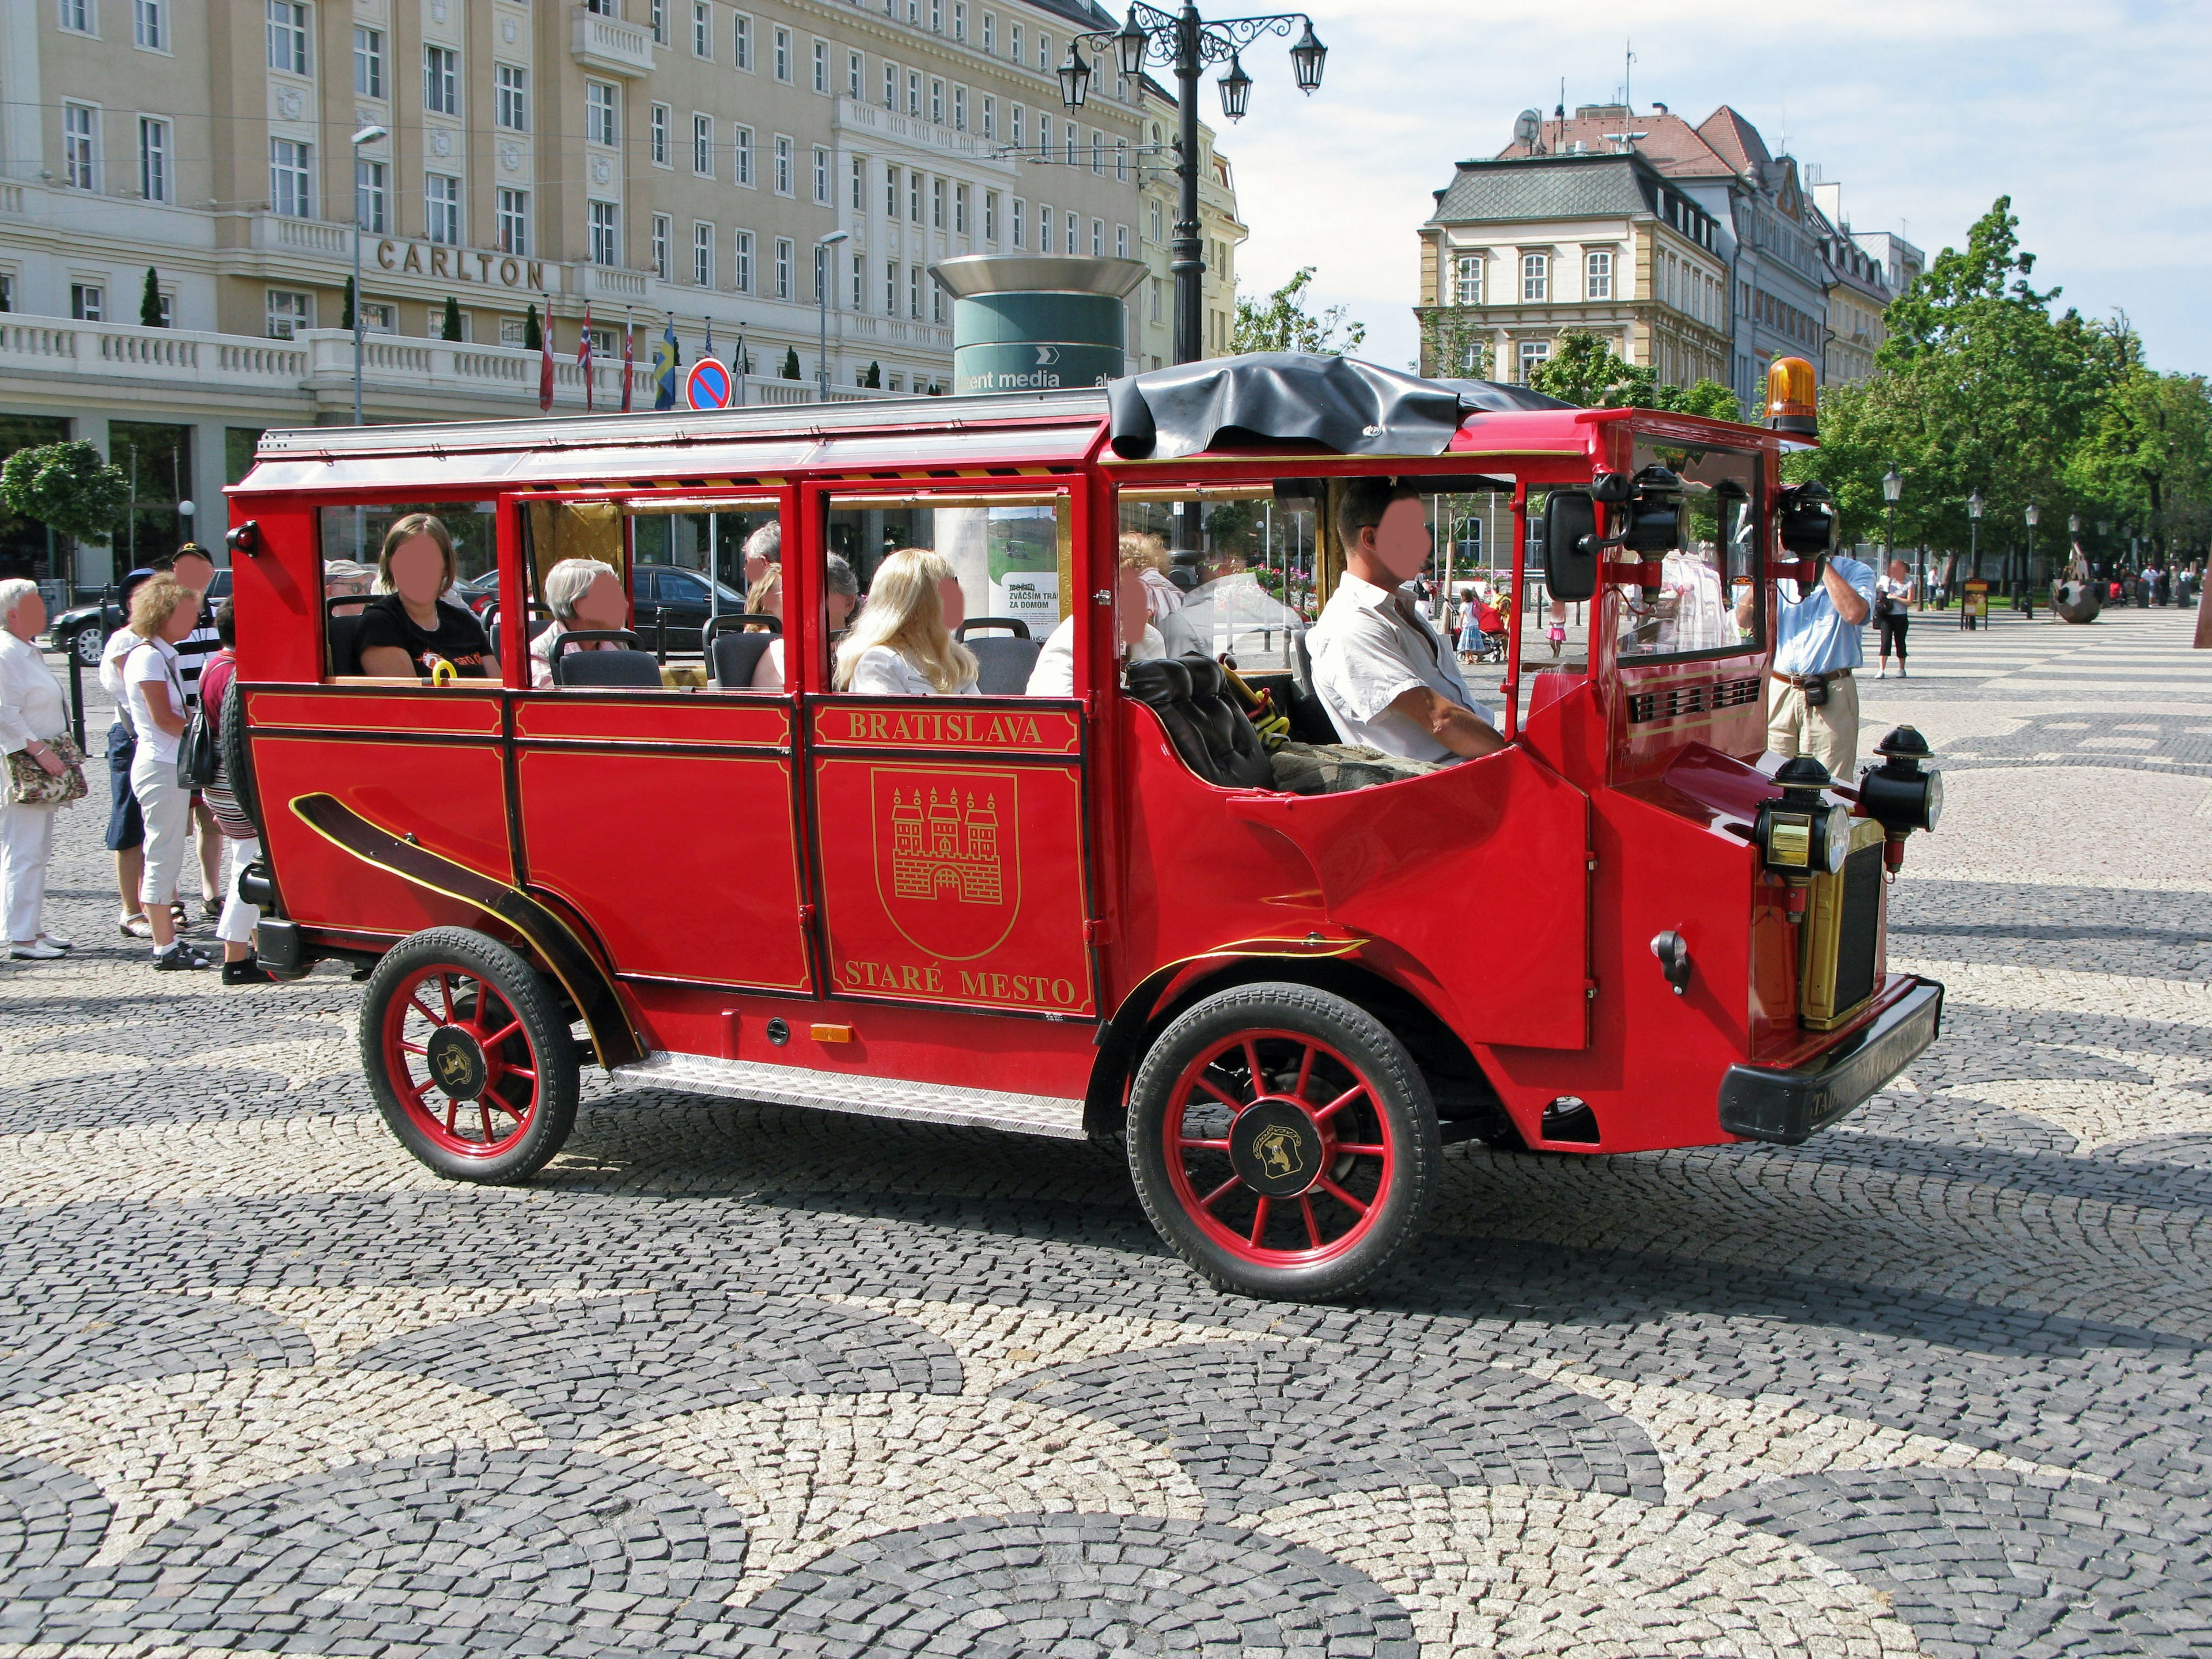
(2092, 116)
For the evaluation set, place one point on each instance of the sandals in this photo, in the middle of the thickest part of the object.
(136, 926)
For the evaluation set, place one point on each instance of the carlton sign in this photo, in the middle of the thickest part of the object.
(465, 265)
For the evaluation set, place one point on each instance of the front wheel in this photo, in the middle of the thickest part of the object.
(471, 1064)
(87, 642)
(1283, 1142)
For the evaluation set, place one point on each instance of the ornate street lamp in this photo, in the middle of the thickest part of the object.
(2033, 515)
(1974, 531)
(1893, 486)
(369, 135)
(1188, 42)
(822, 280)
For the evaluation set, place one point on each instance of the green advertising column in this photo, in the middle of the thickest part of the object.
(1028, 323)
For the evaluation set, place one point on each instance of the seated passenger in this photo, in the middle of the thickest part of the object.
(763, 552)
(1054, 673)
(903, 646)
(1151, 554)
(1388, 681)
(412, 626)
(583, 595)
(843, 593)
(344, 579)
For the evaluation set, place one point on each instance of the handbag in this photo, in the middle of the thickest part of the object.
(199, 757)
(30, 784)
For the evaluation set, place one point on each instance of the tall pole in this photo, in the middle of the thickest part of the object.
(1187, 251)
(356, 291)
(822, 340)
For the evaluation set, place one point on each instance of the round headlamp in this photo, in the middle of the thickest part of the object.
(1899, 793)
(1836, 839)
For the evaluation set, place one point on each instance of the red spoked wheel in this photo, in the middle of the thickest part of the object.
(1282, 1141)
(472, 1064)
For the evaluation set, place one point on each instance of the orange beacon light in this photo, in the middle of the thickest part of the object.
(1791, 397)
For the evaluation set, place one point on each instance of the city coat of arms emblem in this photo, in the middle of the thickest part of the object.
(948, 857)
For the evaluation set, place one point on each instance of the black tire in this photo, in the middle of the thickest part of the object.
(1336, 1077)
(237, 763)
(86, 642)
(484, 990)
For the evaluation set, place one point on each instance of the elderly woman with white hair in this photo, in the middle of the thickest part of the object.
(40, 757)
(582, 594)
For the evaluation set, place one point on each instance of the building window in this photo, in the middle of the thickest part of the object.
(890, 192)
(1017, 222)
(441, 81)
(77, 17)
(855, 67)
(288, 313)
(744, 283)
(990, 117)
(659, 130)
(990, 33)
(1073, 221)
(914, 93)
(784, 184)
(990, 215)
(657, 17)
(661, 232)
(783, 250)
(860, 281)
(1014, 124)
(1098, 152)
(441, 209)
(378, 317)
(368, 63)
(822, 176)
(513, 88)
(960, 20)
(152, 159)
(959, 210)
(741, 152)
(702, 255)
(859, 184)
(1014, 42)
(291, 179)
(783, 55)
(937, 203)
(960, 109)
(1533, 352)
(891, 86)
(78, 170)
(702, 145)
(1157, 286)
(602, 124)
(936, 303)
(606, 241)
(88, 302)
(287, 38)
(913, 292)
(1044, 52)
(1597, 276)
(368, 196)
(1466, 279)
(149, 24)
(936, 16)
(822, 67)
(1045, 228)
(1120, 160)
(1535, 279)
(890, 288)
(702, 30)
(741, 42)
(913, 196)
(512, 221)
(1097, 239)
(937, 102)
(1121, 241)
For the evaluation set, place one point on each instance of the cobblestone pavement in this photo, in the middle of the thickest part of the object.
(725, 1380)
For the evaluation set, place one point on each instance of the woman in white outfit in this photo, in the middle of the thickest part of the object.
(903, 646)
(163, 611)
(31, 719)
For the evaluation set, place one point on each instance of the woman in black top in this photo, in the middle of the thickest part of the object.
(412, 626)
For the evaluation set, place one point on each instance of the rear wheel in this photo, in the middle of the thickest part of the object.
(87, 642)
(471, 1064)
(1282, 1141)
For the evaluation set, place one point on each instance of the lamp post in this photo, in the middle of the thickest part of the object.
(1893, 486)
(1974, 530)
(367, 136)
(1188, 42)
(2033, 515)
(822, 298)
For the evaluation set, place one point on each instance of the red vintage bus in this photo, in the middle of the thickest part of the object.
(1091, 914)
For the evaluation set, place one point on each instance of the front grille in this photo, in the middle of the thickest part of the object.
(1842, 934)
(1676, 700)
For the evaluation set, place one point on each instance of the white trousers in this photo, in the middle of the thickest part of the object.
(27, 842)
(239, 917)
(167, 811)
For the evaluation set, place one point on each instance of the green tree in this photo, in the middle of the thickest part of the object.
(450, 329)
(68, 488)
(149, 302)
(1583, 368)
(533, 333)
(1455, 344)
(2146, 456)
(790, 363)
(1284, 323)
(345, 307)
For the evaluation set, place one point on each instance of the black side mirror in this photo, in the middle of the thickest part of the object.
(1808, 525)
(1570, 549)
(1658, 517)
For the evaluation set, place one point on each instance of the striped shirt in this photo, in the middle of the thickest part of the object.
(194, 650)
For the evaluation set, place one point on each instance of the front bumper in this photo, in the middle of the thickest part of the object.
(1786, 1107)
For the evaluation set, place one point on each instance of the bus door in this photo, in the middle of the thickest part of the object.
(658, 800)
(949, 829)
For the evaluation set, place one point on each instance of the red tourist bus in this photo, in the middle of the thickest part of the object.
(1091, 914)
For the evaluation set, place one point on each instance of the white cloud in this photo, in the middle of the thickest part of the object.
(2089, 115)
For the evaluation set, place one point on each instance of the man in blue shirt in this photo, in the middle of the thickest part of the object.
(1813, 708)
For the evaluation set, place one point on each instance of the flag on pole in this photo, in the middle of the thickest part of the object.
(739, 365)
(545, 361)
(709, 350)
(584, 353)
(665, 360)
(629, 356)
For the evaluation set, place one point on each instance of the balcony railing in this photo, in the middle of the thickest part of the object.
(49, 346)
(611, 45)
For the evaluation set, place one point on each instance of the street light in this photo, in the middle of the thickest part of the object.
(1188, 42)
(822, 299)
(1974, 530)
(369, 135)
(1893, 486)
(2033, 515)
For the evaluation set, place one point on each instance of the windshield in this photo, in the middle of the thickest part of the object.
(1693, 611)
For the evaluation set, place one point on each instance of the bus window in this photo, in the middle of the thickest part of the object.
(697, 566)
(352, 540)
(1232, 569)
(1694, 612)
(1010, 564)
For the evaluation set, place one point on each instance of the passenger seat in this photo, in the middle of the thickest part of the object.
(1003, 661)
(1209, 731)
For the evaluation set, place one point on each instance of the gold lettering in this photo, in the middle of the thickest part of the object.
(1063, 992)
(438, 263)
(510, 273)
(384, 252)
(537, 273)
(970, 985)
(414, 261)
(936, 978)
(913, 977)
(484, 266)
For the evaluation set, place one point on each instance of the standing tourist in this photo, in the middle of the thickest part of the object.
(1813, 708)
(42, 765)
(235, 928)
(1893, 614)
(163, 611)
(126, 830)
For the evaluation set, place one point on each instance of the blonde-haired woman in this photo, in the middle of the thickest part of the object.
(902, 645)
(411, 625)
(163, 611)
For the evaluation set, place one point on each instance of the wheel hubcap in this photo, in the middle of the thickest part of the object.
(1275, 1147)
(456, 1055)
(456, 1062)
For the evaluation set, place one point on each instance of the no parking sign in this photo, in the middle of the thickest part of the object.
(707, 385)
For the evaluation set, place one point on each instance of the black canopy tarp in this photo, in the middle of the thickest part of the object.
(1351, 407)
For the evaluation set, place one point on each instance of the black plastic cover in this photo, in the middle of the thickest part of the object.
(1345, 406)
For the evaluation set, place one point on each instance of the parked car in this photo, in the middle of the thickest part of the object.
(680, 595)
(85, 629)
(479, 593)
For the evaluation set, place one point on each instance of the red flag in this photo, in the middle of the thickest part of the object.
(629, 348)
(545, 362)
(584, 355)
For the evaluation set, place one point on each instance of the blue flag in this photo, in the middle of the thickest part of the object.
(710, 337)
(666, 359)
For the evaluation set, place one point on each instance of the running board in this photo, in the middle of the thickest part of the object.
(870, 1096)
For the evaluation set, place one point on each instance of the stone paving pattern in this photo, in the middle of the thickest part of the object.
(733, 1380)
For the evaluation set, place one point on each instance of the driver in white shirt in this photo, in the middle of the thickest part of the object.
(1387, 680)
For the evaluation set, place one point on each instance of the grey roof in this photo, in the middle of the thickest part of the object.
(1579, 187)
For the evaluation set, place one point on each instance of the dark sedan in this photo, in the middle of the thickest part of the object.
(680, 596)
